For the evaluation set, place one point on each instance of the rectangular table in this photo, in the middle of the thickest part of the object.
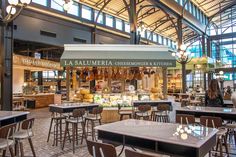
(69, 107)
(197, 111)
(153, 103)
(9, 117)
(159, 137)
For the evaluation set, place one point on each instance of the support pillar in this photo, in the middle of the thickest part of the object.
(164, 77)
(204, 53)
(134, 39)
(67, 83)
(180, 42)
(6, 49)
(74, 80)
(40, 81)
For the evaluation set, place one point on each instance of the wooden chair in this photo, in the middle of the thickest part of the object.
(143, 112)
(124, 113)
(93, 117)
(25, 132)
(97, 149)
(76, 119)
(185, 119)
(131, 153)
(161, 114)
(6, 133)
(216, 122)
(57, 120)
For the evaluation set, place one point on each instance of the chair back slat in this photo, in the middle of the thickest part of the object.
(131, 153)
(97, 149)
(212, 122)
(97, 110)
(163, 107)
(185, 119)
(27, 124)
(7, 131)
(78, 113)
(144, 108)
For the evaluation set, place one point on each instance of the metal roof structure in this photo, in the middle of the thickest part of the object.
(218, 11)
(154, 17)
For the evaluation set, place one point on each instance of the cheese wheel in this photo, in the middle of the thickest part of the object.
(84, 91)
(88, 96)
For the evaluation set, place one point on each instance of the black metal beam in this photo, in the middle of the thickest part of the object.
(223, 36)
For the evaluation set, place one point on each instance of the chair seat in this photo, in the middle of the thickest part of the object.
(126, 112)
(22, 134)
(4, 143)
(221, 132)
(230, 126)
(92, 117)
(143, 114)
(75, 120)
(161, 113)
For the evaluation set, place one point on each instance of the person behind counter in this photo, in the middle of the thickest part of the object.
(213, 97)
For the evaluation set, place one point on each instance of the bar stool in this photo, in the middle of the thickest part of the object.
(57, 119)
(124, 113)
(97, 149)
(216, 122)
(76, 119)
(131, 153)
(93, 117)
(25, 132)
(6, 133)
(143, 112)
(162, 113)
(184, 119)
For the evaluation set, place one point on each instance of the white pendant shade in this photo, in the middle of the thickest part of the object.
(13, 2)
(11, 10)
(183, 47)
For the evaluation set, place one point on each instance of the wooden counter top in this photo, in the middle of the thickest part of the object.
(42, 99)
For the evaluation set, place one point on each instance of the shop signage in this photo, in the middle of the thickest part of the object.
(117, 62)
(30, 61)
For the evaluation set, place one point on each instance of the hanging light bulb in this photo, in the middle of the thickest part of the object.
(67, 5)
(183, 47)
(25, 1)
(11, 10)
(13, 2)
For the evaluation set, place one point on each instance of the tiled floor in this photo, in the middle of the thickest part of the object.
(44, 149)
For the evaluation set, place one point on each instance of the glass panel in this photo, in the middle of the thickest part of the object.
(154, 37)
(100, 17)
(57, 4)
(74, 9)
(86, 12)
(160, 41)
(109, 20)
(142, 33)
(127, 27)
(149, 36)
(119, 24)
(41, 2)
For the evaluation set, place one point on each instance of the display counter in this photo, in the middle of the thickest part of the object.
(43, 100)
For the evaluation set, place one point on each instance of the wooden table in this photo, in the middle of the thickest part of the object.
(153, 103)
(197, 111)
(9, 117)
(69, 107)
(158, 137)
